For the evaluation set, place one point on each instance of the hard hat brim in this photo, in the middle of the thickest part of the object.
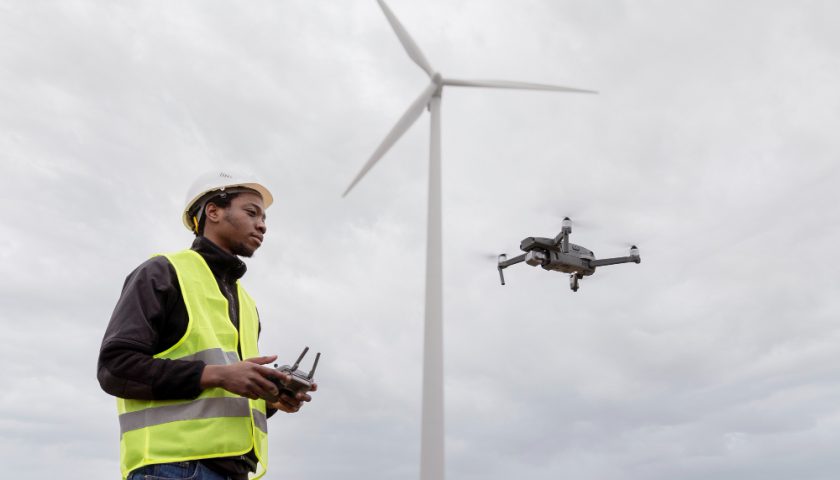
(261, 190)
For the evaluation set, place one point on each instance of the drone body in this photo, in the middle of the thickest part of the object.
(559, 255)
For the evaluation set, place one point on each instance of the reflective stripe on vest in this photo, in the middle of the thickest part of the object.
(217, 423)
(201, 408)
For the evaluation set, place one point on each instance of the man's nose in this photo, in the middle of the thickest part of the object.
(261, 226)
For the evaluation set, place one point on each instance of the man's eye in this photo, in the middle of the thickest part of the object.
(251, 213)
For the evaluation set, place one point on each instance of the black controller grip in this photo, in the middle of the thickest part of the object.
(296, 384)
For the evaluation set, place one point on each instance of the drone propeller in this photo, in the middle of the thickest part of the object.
(494, 255)
(625, 245)
(576, 224)
(620, 244)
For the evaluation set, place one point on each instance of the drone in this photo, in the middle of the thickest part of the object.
(561, 256)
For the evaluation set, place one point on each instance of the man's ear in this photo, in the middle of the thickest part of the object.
(212, 213)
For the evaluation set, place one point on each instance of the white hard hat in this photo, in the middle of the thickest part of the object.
(220, 180)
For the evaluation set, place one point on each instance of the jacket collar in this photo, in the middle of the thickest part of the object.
(221, 263)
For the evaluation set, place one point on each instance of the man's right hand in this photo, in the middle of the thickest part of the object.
(248, 378)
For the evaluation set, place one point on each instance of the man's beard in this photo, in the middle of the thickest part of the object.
(241, 250)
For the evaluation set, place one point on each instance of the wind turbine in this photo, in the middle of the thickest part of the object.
(432, 431)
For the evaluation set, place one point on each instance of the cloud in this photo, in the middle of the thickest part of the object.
(711, 145)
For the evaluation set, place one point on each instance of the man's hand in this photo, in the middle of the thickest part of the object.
(248, 378)
(291, 405)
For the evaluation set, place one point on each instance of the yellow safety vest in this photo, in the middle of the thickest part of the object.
(217, 423)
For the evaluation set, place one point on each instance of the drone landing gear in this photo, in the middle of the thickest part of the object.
(573, 281)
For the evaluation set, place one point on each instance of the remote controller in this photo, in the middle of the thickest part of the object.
(299, 381)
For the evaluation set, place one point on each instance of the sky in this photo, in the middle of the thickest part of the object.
(712, 145)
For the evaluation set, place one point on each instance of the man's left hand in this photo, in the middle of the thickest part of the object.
(292, 404)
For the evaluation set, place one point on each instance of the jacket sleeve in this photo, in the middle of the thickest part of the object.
(150, 316)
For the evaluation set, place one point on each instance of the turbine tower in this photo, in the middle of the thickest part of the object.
(432, 430)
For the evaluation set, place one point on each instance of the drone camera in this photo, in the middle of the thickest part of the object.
(535, 258)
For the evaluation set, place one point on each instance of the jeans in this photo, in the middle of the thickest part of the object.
(175, 471)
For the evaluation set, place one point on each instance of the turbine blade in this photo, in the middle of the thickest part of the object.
(408, 43)
(404, 123)
(514, 85)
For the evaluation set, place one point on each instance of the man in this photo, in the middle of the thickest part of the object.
(189, 405)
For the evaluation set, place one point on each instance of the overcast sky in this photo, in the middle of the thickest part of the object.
(713, 145)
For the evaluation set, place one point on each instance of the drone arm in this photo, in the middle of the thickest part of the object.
(504, 263)
(614, 261)
(562, 240)
(513, 261)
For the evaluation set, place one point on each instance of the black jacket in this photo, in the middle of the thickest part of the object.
(149, 318)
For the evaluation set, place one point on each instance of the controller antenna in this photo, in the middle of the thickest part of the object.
(297, 362)
(314, 366)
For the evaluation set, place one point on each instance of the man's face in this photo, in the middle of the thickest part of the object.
(242, 225)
